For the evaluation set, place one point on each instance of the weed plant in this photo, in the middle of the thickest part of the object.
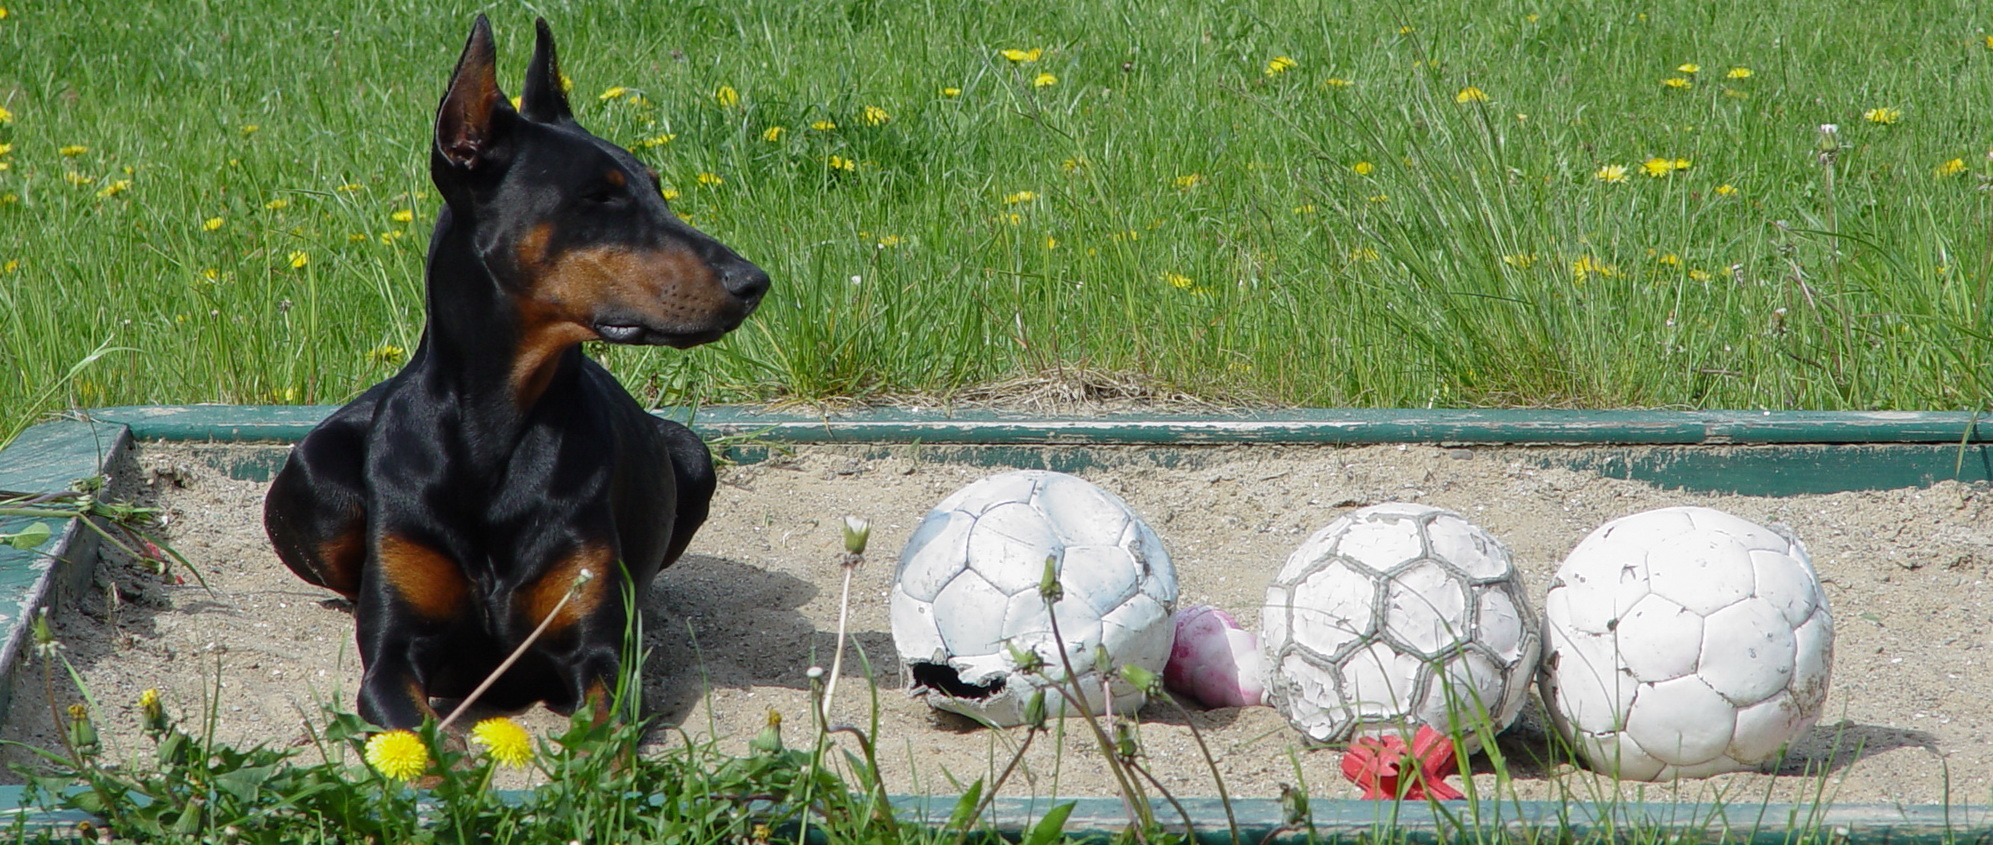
(1457, 204)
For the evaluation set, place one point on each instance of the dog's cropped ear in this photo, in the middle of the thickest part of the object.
(544, 98)
(474, 120)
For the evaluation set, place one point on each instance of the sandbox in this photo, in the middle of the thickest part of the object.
(1901, 533)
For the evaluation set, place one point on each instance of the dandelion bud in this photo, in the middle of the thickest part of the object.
(1034, 710)
(152, 714)
(769, 741)
(82, 734)
(857, 530)
(1142, 679)
(1048, 584)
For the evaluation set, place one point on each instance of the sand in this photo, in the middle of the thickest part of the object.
(736, 624)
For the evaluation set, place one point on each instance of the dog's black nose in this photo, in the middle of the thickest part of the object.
(746, 281)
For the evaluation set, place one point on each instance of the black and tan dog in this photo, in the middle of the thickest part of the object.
(457, 502)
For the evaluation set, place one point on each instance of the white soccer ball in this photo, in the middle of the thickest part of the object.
(1685, 642)
(1398, 615)
(967, 592)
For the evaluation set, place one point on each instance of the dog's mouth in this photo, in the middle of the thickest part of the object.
(636, 334)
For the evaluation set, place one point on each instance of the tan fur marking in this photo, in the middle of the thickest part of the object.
(425, 579)
(615, 177)
(540, 598)
(340, 560)
(671, 287)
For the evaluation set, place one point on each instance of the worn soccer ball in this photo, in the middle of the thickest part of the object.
(1398, 615)
(1685, 642)
(966, 599)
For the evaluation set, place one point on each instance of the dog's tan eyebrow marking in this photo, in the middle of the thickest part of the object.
(615, 177)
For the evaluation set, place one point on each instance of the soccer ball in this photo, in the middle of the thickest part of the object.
(1398, 615)
(966, 594)
(1685, 642)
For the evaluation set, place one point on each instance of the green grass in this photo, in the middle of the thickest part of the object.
(1197, 222)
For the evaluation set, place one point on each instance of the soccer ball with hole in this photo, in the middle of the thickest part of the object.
(966, 601)
(1398, 615)
(1685, 642)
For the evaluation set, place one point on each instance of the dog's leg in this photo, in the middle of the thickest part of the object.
(315, 512)
(692, 468)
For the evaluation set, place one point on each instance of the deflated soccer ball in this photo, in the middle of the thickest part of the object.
(1684, 642)
(1398, 615)
(966, 599)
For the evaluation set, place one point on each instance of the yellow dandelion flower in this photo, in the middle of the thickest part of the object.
(1678, 82)
(1738, 73)
(1178, 280)
(1044, 80)
(9, 198)
(841, 163)
(1698, 275)
(1587, 266)
(1532, 17)
(504, 740)
(1012, 218)
(1305, 208)
(1188, 181)
(612, 93)
(1023, 57)
(1336, 82)
(397, 755)
(710, 179)
(518, 102)
(638, 101)
(5, 165)
(1073, 164)
(1470, 94)
(1051, 242)
(654, 141)
(299, 259)
(1951, 168)
(211, 274)
(12, 263)
(212, 224)
(1658, 167)
(75, 178)
(1020, 196)
(726, 96)
(875, 116)
(951, 92)
(1682, 164)
(114, 189)
(1611, 173)
(1689, 67)
(1725, 189)
(1520, 260)
(823, 126)
(6, 148)
(1884, 115)
(387, 354)
(1125, 235)
(1363, 254)
(249, 128)
(349, 188)
(1406, 30)
(1380, 199)
(669, 194)
(402, 215)
(1279, 65)
(1363, 168)
(278, 204)
(3, 13)
(6, 116)
(1989, 42)
(74, 150)
(773, 134)
(1669, 260)
(889, 241)
(388, 237)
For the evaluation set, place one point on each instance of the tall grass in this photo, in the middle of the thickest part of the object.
(1355, 228)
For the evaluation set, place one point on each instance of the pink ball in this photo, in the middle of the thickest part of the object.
(1214, 661)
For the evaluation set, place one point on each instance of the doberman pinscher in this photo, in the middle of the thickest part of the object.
(456, 503)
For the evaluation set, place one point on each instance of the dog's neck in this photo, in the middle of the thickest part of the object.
(474, 349)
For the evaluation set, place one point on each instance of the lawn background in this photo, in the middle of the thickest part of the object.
(1152, 193)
